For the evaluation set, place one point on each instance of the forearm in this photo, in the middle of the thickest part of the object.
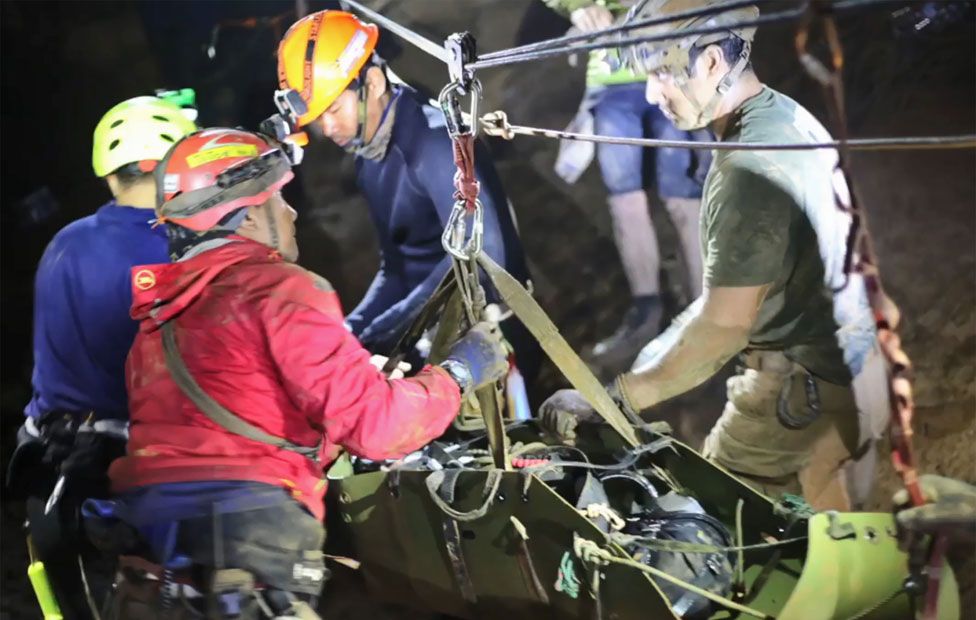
(396, 317)
(688, 356)
(392, 418)
(382, 294)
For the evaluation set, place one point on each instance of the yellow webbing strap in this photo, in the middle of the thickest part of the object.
(562, 355)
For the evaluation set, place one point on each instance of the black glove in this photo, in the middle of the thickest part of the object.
(477, 358)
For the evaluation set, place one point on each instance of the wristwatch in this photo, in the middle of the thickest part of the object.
(459, 372)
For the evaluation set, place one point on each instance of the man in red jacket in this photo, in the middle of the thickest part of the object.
(244, 383)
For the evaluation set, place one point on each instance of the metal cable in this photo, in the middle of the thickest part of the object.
(417, 40)
(492, 125)
(500, 61)
(563, 45)
(625, 27)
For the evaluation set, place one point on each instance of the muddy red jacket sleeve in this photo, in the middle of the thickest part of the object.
(327, 374)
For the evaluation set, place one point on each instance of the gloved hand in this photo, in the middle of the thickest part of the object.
(591, 18)
(379, 361)
(561, 414)
(952, 508)
(477, 358)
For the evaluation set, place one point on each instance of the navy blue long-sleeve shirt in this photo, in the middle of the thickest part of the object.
(411, 194)
(82, 295)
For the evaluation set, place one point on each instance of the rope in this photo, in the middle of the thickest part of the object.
(501, 60)
(625, 27)
(678, 546)
(862, 259)
(591, 553)
(740, 565)
(496, 124)
(466, 185)
(597, 511)
(566, 580)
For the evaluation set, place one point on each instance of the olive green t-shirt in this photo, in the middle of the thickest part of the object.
(772, 217)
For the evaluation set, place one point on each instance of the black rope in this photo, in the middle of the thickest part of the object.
(625, 27)
(546, 49)
(500, 61)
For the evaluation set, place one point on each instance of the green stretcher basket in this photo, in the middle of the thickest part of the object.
(513, 562)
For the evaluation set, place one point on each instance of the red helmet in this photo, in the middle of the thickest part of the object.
(213, 172)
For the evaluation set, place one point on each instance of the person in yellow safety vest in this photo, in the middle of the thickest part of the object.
(614, 105)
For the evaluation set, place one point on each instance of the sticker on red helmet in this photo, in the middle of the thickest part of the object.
(171, 183)
(222, 152)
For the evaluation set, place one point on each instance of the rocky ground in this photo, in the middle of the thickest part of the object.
(921, 205)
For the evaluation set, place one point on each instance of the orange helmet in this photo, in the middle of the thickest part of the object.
(321, 55)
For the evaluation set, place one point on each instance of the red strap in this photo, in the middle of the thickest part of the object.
(466, 184)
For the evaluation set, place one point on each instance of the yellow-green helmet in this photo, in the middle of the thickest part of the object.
(137, 130)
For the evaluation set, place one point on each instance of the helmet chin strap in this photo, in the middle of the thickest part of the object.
(362, 94)
(360, 139)
(706, 113)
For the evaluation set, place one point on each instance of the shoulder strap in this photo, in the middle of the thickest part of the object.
(217, 413)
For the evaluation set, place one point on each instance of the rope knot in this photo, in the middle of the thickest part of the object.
(590, 552)
(465, 181)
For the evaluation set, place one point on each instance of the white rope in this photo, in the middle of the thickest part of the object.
(496, 124)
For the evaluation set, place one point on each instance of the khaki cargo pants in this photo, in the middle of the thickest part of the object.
(750, 440)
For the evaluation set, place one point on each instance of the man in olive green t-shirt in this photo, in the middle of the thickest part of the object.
(775, 293)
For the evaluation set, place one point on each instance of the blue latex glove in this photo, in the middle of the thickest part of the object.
(477, 358)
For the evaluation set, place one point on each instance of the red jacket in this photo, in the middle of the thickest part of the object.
(266, 340)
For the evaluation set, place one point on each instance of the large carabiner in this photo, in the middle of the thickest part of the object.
(455, 240)
(450, 104)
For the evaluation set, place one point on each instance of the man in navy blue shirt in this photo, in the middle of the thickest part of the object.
(405, 168)
(77, 418)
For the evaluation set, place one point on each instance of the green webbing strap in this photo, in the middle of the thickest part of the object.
(558, 350)
(491, 400)
(442, 295)
(219, 415)
(449, 326)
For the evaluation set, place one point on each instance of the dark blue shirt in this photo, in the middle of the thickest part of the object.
(410, 194)
(82, 295)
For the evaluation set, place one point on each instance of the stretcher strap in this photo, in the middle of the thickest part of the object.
(562, 355)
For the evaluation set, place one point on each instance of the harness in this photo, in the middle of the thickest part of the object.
(218, 414)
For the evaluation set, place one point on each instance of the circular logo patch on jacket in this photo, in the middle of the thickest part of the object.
(144, 279)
